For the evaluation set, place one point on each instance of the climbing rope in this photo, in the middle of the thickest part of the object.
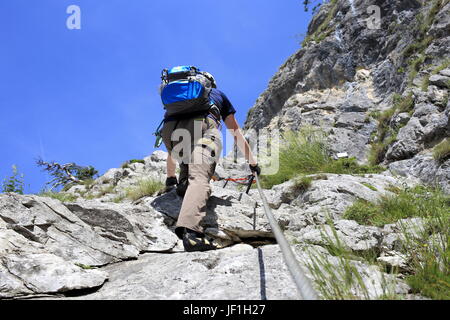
(243, 181)
(303, 284)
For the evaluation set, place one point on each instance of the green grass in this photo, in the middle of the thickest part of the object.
(425, 83)
(107, 190)
(444, 65)
(368, 185)
(324, 30)
(416, 202)
(428, 251)
(378, 150)
(350, 166)
(144, 188)
(84, 267)
(302, 183)
(304, 153)
(441, 151)
(430, 262)
(424, 23)
(341, 280)
(403, 104)
(126, 164)
(61, 196)
(118, 199)
(385, 134)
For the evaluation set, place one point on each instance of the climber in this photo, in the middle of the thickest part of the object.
(191, 133)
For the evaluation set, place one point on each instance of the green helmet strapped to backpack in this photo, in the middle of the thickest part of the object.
(185, 90)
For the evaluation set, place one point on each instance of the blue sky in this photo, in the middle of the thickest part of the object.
(90, 96)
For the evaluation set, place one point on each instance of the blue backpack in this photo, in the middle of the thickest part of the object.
(185, 90)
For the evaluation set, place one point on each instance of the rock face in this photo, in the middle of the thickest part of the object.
(348, 71)
(232, 273)
(126, 250)
(104, 246)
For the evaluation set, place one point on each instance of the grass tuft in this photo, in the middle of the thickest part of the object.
(428, 250)
(126, 164)
(368, 185)
(302, 183)
(441, 151)
(145, 188)
(304, 153)
(61, 196)
(416, 202)
(324, 30)
(337, 277)
(385, 134)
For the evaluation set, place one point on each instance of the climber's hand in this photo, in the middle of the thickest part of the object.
(255, 169)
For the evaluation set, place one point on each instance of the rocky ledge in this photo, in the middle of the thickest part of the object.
(99, 249)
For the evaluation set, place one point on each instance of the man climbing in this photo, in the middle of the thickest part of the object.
(191, 133)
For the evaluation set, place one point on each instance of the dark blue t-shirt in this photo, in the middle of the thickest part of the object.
(220, 100)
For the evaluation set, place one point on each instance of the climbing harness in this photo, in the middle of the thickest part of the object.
(303, 284)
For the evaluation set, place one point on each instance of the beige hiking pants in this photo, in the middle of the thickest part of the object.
(196, 145)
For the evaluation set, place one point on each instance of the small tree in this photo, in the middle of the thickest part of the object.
(14, 183)
(66, 174)
(315, 4)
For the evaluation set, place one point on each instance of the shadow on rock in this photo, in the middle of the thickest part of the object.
(170, 205)
(210, 220)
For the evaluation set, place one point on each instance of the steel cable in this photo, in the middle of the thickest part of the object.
(303, 284)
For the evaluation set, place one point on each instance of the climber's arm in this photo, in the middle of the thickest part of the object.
(233, 126)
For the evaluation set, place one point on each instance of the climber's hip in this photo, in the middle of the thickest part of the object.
(183, 137)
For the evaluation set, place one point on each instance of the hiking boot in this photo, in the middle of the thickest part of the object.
(195, 241)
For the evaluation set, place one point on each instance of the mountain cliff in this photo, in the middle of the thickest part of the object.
(378, 89)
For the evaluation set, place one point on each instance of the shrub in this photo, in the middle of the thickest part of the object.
(442, 150)
(14, 183)
(66, 175)
(144, 188)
